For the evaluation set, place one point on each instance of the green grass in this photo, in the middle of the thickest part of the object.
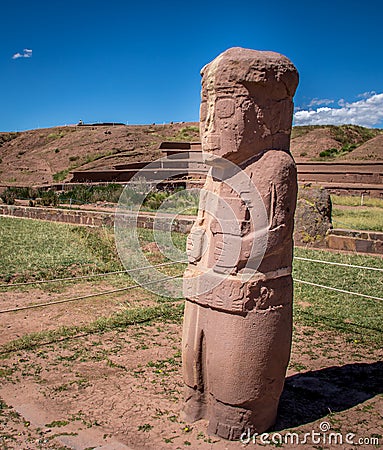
(33, 250)
(361, 218)
(298, 131)
(37, 196)
(60, 176)
(43, 249)
(359, 317)
(188, 133)
(91, 194)
(353, 134)
(348, 200)
(180, 201)
(37, 250)
(345, 134)
(356, 216)
(332, 153)
(54, 136)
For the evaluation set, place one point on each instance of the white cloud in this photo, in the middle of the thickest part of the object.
(367, 112)
(320, 102)
(27, 53)
(366, 94)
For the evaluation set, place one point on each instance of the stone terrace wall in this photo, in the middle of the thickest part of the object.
(337, 239)
(91, 218)
(355, 241)
(59, 215)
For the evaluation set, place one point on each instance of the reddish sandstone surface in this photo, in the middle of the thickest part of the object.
(232, 320)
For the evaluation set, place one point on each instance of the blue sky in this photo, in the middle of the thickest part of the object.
(139, 62)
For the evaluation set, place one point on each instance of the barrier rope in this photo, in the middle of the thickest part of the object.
(337, 289)
(98, 294)
(173, 277)
(56, 280)
(338, 264)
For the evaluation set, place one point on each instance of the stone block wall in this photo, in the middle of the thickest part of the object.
(92, 218)
(355, 241)
(309, 219)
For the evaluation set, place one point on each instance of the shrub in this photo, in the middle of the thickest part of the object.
(90, 194)
(331, 152)
(188, 133)
(6, 137)
(54, 136)
(48, 198)
(155, 199)
(10, 194)
(349, 148)
(60, 176)
(177, 200)
(353, 134)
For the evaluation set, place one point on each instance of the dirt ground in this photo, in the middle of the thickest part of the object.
(123, 389)
(16, 325)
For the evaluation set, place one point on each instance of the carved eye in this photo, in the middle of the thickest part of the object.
(225, 108)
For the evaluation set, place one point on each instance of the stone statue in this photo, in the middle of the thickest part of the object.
(238, 284)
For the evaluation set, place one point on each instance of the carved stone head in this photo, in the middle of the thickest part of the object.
(246, 104)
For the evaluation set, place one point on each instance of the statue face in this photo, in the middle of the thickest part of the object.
(245, 109)
(222, 121)
(233, 120)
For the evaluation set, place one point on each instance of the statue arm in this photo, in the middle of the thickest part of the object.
(280, 203)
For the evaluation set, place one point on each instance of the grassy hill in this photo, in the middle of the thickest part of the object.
(325, 142)
(47, 155)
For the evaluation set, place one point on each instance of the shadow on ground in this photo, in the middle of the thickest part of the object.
(312, 395)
